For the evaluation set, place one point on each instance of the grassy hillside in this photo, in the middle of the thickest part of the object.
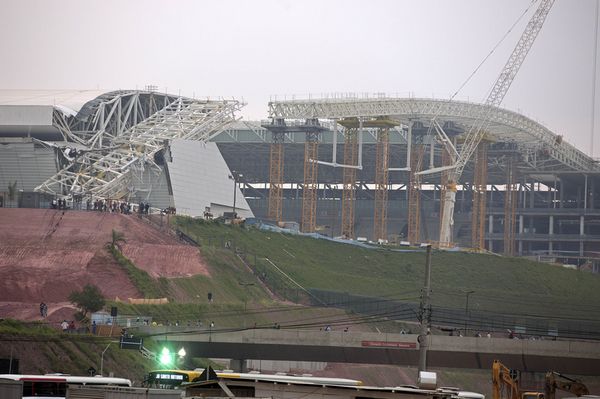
(500, 284)
(40, 350)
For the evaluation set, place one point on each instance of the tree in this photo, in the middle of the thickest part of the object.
(88, 300)
(117, 239)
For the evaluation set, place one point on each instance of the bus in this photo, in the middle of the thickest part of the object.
(173, 379)
(170, 379)
(55, 385)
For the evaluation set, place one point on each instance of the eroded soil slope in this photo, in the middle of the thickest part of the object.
(45, 254)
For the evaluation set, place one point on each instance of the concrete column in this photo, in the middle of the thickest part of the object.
(585, 192)
(554, 192)
(551, 225)
(581, 232)
(561, 194)
(532, 196)
(520, 238)
(490, 231)
(520, 247)
(550, 248)
(521, 224)
(592, 194)
(238, 365)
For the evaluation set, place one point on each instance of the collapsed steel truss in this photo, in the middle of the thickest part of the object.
(121, 132)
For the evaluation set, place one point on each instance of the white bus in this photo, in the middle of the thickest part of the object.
(55, 385)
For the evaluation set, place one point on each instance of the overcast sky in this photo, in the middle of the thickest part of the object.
(255, 49)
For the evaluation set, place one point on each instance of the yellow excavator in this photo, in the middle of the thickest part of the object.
(506, 386)
(561, 382)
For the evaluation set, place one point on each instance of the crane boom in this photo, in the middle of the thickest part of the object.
(495, 97)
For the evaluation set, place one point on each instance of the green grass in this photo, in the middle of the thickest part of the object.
(501, 284)
(41, 350)
(148, 286)
(10, 326)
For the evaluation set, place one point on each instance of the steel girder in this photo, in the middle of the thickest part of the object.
(104, 168)
(504, 125)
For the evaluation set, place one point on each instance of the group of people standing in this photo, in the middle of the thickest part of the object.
(112, 206)
(59, 204)
(143, 208)
(67, 326)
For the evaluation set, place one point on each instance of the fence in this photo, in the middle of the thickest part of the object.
(473, 321)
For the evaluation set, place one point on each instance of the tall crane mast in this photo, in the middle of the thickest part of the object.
(478, 130)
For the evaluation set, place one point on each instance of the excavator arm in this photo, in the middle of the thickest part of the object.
(558, 381)
(502, 382)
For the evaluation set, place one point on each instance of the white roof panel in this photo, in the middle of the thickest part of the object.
(70, 99)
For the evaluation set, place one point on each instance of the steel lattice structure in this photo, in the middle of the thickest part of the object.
(122, 132)
(382, 157)
(479, 196)
(349, 182)
(531, 138)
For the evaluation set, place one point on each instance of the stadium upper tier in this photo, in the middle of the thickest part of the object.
(90, 119)
(535, 142)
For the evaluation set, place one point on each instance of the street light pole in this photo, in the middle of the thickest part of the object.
(235, 176)
(234, 193)
(467, 311)
(425, 313)
(102, 359)
(245, 285)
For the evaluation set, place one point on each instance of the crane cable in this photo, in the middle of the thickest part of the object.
(594, 73)
(493, 50)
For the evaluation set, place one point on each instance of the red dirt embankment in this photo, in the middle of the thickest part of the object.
(45, 254)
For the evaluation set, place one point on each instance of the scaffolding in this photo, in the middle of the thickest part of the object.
(381, 184)
(510, 208)
(276, 176)
(479, 196)
(309, 189)
(414, 194)
(349, 181)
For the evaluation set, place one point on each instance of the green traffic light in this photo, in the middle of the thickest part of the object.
(166, 357)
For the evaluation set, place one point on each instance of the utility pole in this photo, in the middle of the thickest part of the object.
(235, 176)
(467, 311)
(425, 312)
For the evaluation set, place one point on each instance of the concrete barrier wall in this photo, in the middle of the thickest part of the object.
(516, 346)
(575, 349)
(576, 357)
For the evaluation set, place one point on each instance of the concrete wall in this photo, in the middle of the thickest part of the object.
(200, 178)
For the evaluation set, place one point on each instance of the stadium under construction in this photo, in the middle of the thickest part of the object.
(372, 167)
